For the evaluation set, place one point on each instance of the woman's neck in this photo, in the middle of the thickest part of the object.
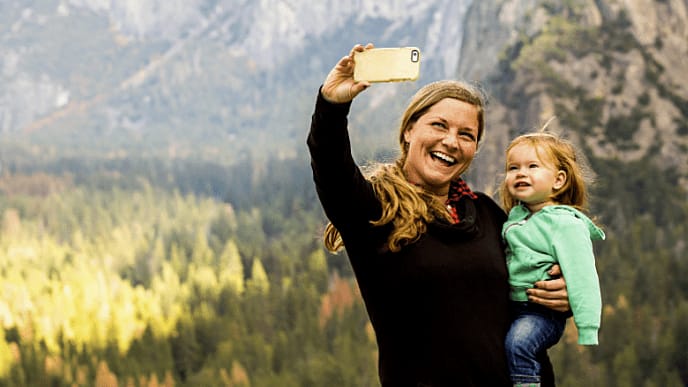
(441, 198)
(440, 195)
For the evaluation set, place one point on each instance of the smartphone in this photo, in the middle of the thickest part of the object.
(387, 64)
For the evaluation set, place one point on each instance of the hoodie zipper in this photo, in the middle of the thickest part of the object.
(519, 223)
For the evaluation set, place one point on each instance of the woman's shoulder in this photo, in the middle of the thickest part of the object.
(482, 196)
(486, 201)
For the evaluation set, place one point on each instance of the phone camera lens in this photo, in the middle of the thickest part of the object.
(415, 55)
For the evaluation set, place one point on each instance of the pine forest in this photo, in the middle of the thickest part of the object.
(160, 274)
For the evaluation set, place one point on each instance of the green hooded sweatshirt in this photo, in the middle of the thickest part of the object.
(561, 235)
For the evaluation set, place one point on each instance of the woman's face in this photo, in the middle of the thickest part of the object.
(441, 144)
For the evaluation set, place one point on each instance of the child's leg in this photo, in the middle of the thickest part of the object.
(530, 334)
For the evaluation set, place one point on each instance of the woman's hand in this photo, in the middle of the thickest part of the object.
(339, 86)
(552, 293)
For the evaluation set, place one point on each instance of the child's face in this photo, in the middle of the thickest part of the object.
(531, 179)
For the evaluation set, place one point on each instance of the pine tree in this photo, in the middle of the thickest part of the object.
(185, 351)
(231, 268)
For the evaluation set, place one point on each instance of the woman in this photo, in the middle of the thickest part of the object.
(425, 249)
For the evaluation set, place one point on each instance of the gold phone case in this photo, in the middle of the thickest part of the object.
(387, 64)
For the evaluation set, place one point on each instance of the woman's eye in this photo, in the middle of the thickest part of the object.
(468, 135)
(439, 124)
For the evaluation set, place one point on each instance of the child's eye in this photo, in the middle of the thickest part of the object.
(533, 166)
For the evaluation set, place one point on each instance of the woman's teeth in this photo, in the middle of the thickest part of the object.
(446, 158)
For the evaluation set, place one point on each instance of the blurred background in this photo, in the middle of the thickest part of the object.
(159, 225)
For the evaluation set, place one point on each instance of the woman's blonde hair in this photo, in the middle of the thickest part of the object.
(408, 207)
(562, 156)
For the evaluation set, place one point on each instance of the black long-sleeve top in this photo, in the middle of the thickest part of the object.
(439, 306)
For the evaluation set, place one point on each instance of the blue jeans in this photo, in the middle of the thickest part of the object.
(534, 329)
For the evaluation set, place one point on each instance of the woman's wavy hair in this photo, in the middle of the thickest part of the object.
(408, 207)
(561, 155)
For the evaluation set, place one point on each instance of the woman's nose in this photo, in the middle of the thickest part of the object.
(450, 140)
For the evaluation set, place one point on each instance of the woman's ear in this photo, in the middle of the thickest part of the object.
(559, 180)
(406, 135)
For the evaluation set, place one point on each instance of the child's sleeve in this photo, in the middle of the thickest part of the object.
(573, 249)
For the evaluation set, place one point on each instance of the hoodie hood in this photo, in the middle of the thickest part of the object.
(596, 232)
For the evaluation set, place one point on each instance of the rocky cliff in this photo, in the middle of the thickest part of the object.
(219, 79)
(610, 71)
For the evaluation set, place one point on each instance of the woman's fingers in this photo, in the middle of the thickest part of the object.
(552, 294)
(339, 86)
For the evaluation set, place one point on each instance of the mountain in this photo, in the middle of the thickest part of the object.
(209, 79)
(223, 80)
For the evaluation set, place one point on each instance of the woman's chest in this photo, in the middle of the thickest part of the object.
(439, 263)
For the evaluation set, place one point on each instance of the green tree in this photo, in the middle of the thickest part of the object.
(186, 353)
